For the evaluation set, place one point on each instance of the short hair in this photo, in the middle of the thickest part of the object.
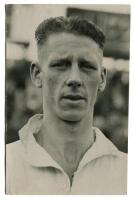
(75, 25)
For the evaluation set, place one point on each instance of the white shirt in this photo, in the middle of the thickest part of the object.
(31, 170)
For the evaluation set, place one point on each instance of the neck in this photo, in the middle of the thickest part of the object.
(62, 131)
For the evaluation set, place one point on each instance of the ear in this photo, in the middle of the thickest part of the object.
(36, 75)
(102, 84)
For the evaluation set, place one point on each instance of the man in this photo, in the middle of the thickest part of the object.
(60, 152)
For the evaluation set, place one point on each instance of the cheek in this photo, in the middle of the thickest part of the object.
(51, 85)
(93, 81)
(92, 87)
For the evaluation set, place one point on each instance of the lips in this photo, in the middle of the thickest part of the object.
(73, 97)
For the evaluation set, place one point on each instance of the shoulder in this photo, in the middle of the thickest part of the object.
(122, 155)
(119, 160)
(13, 146)
(119, 166)
(14, 151)
(14, 160)
(122, 159)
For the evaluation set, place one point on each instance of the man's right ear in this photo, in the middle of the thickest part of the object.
(36, 75)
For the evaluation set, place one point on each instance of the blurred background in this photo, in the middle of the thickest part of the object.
(23, 100)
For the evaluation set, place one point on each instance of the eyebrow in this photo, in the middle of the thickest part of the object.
(60, 57)
(61, 60)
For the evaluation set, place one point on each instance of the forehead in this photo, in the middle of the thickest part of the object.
(61, 45)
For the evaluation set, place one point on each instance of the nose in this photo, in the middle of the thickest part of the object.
(74, 79)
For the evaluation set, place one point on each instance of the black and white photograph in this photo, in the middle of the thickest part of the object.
(67, 99)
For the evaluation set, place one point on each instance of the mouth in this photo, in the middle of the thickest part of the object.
(73, 97)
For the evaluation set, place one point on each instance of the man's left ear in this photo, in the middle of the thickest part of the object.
(102, 84)
(36, 74)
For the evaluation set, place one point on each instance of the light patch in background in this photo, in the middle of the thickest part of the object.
(116, 64)
(14, 51)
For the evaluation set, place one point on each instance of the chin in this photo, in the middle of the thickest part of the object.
(72, 117)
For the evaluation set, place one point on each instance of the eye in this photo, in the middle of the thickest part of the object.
(56, 64)
(61, 64)
(87, 66)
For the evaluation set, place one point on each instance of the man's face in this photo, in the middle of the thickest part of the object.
(71, 75)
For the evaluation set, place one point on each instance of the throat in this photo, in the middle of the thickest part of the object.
(70, 158)
(70, 152)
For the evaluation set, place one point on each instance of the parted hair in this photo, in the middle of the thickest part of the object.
(75, 25)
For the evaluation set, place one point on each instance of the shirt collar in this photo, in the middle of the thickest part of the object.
(37, 156)
(101, 147)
